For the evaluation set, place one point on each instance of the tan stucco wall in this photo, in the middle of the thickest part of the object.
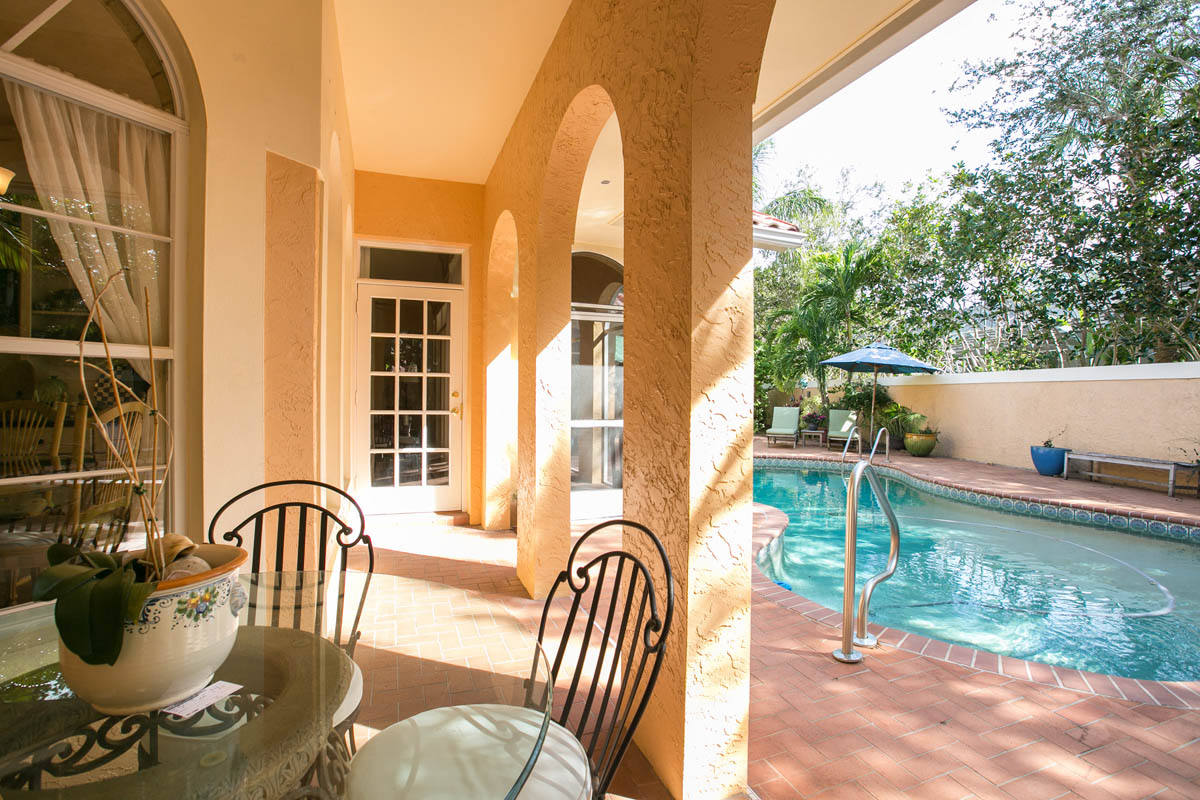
(270, 80)
(421, 211)
(261, 87)
(338, 272)
(1099, 409)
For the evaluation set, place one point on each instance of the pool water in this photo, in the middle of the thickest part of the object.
(1036, 589)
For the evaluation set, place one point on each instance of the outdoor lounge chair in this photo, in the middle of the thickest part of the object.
(785, 424)
(841, 422)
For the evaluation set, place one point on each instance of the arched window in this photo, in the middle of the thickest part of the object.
(92, 144)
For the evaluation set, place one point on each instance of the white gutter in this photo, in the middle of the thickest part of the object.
(776, 239)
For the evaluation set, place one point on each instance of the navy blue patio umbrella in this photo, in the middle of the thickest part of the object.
(876, 358)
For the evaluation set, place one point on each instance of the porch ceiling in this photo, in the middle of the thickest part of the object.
(432, 89)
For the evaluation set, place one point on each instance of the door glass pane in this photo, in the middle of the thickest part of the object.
(410, 316)
(410, 355)
(381, 469)
(383, 354)
(438, 352)
(439, 469)
(439, 394)
(410, 469)
(389, 264)
(410, 394)
(410, 431)
(439, 318)
(439, 430)
(383, 315)
(382, 435)
(383, 393)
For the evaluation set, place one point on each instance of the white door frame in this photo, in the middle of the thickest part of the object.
(360, 405)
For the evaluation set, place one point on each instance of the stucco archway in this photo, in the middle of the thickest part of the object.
(544, 496)
(683, 86)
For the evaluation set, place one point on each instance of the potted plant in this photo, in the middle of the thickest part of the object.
(899, 420)
(922, 442)
(815, 419)
(143, 629)
(1047, 459)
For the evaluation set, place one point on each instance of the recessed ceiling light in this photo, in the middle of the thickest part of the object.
(605, 182)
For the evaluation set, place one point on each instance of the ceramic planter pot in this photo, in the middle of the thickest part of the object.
(1048, 461)
(184, 634)
(920, 444)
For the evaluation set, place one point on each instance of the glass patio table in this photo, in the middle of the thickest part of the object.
(273, 738)
(281, 735)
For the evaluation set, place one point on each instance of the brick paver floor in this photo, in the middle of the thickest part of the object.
(897, 725)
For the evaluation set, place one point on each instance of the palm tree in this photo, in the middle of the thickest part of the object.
(838, 280)
(799, 340)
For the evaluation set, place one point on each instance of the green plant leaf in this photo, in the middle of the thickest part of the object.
(135, 599)
(61, 579)
(72, 617)
(101, 560)
(59, 552)
(107, 619)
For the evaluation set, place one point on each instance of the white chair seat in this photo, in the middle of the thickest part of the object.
(471, 751)
(353, 696)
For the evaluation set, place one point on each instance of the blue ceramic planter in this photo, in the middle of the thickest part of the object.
(1048, 460)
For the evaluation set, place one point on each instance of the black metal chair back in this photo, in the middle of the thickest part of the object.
(610, 646)
(305, 527)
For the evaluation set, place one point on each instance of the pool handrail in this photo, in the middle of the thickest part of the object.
(850, 437)
(887, 446)
(854, 632)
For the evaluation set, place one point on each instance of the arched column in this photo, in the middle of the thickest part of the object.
(500, 376)
(544, 370)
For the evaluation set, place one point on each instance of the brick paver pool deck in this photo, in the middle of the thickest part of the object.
(900, 724)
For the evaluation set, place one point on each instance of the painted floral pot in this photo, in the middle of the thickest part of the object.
(920, 444)
(1048, 461)
(184, 634)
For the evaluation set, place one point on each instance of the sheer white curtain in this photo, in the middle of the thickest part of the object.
(98, 168)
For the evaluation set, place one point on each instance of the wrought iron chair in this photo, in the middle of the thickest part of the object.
(603, 634)
(282, 516)
(610, 646)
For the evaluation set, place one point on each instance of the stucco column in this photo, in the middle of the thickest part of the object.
(500, 423)
(291, 367)
(291, 329)
(543, 417)
(689, 399)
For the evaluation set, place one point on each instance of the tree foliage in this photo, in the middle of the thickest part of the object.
(1078, 244)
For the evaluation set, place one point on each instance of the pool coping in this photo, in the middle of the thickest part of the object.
(769, 523)
(1139, 523)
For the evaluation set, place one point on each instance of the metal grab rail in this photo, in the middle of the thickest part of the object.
(887, 446)
(853, 634)
(850, 438)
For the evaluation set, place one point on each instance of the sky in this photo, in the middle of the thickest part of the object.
(889, 125)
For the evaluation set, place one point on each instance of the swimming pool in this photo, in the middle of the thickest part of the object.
(1036, 589)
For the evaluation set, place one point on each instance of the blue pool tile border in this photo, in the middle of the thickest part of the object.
(1128, 524)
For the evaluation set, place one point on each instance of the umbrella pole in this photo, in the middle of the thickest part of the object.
(874, 388)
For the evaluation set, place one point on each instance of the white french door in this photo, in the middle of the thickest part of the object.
(408, 398)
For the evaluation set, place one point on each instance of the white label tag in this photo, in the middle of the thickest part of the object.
(202, 699)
